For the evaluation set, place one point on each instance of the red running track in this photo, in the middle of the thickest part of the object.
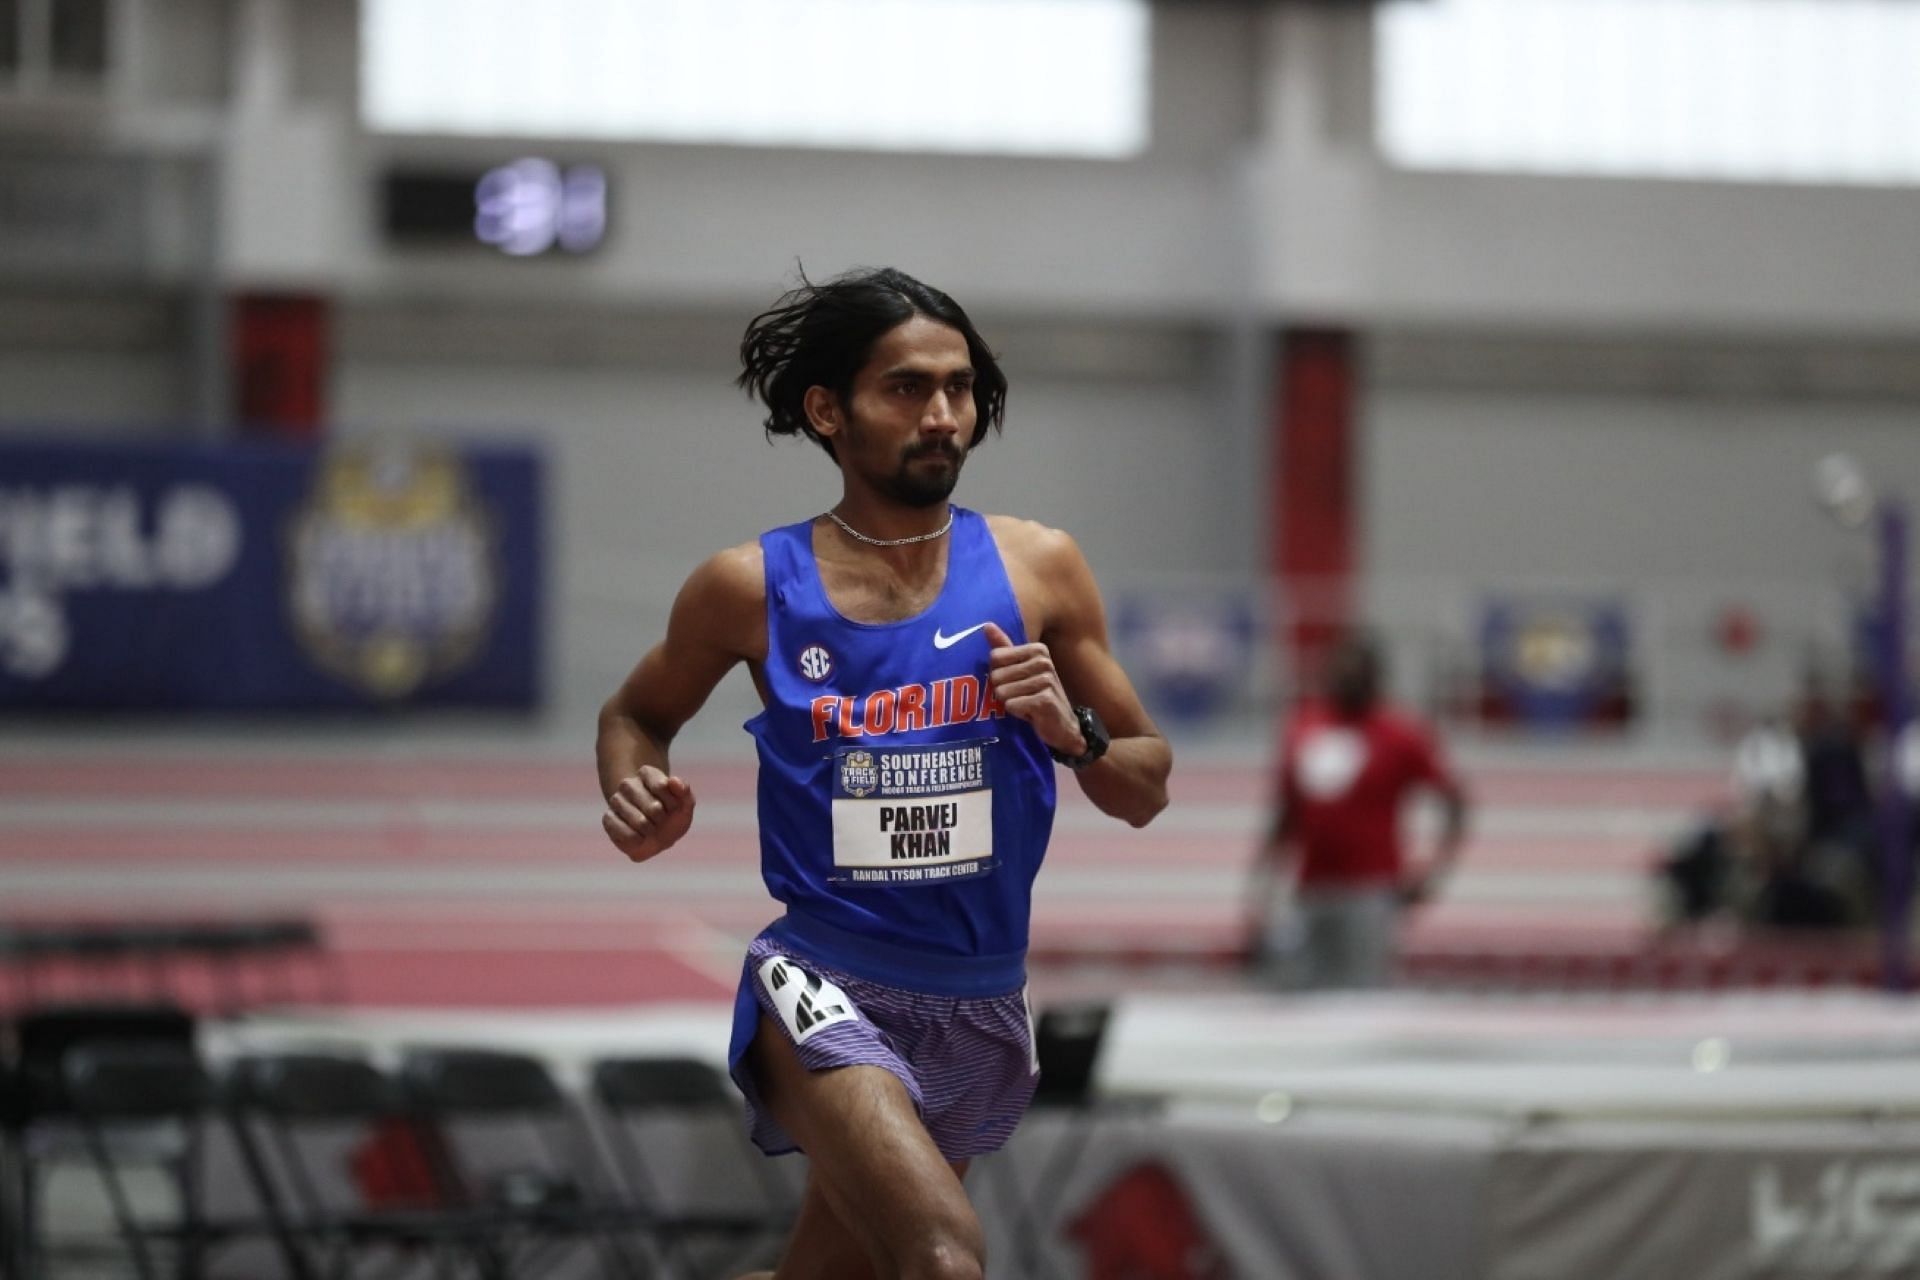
(485, 881)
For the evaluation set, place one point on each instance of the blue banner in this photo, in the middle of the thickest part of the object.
(1191, 651)
(1556, 662)
(262, 576)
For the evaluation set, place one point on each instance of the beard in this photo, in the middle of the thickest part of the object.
(918, 483)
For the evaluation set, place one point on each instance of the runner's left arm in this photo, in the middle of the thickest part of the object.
(1074, 666)
(717, 621)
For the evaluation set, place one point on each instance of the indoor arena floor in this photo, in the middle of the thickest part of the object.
(468, 896)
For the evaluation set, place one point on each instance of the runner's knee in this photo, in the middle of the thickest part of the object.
(950, 1249)
(944, 1261)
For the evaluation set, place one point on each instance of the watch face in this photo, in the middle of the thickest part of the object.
(1093, 731)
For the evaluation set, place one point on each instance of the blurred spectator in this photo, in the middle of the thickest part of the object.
(1839, 854)
(1769, 791)
(1767, 765)
(1905, 771)
(1699, 872)
(1330, 883)
(1795, 848)
(1838, 796)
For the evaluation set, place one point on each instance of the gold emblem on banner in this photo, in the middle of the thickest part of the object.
(392, 580)
(1555, 649)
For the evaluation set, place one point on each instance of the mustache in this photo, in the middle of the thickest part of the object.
(943, 448)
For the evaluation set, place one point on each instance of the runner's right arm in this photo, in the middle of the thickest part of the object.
(718, 619)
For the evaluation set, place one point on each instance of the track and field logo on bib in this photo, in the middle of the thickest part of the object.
(859, 775)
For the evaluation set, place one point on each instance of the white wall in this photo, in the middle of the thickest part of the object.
(91, 362)
(66, 392)
(1261, 194)
(1341, 235)
(696, 225)
(1678, 504)
(1620, 487)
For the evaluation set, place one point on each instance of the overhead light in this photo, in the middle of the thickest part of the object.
(1842, 488)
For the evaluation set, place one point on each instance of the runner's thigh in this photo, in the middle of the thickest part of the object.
(869, 1156)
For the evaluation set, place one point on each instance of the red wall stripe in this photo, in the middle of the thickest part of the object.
(280, 358)
(1314, 553)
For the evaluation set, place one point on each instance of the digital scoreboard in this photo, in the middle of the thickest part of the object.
(524, 208)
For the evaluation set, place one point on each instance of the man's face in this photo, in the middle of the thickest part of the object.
(909, 423)
(1353, 678)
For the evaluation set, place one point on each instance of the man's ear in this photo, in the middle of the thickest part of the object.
(823, 411)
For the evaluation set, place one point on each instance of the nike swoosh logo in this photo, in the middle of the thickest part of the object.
(943, 641)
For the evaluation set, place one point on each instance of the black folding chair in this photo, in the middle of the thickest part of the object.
(303, 1121)
(42, 1134)
(148, 1105)
(12, 1228)
(654, 1108)
(17, 952)
(506, 1144)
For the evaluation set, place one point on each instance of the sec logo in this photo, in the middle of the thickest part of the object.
(815, 663)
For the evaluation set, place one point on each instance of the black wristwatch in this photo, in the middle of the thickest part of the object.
(1097, 740)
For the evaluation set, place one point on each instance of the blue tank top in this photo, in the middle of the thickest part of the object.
(903, 813)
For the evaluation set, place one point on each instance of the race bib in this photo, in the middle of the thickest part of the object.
(912, 815)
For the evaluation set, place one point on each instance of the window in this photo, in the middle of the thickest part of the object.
(79, 44)
(1051, 77)
(9, 38)
(1759, 90)
(57, 45)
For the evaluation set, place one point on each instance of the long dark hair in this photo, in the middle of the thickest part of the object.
(821, 335)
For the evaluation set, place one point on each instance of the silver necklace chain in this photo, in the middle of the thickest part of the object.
(858, 536)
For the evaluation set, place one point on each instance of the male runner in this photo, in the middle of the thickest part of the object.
(923, 668)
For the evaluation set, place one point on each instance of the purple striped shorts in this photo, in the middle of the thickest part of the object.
(967, 1062)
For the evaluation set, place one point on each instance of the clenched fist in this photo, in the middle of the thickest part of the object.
(648, 813)
(1023, 678)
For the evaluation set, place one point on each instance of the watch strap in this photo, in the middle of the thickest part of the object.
(1096, 737)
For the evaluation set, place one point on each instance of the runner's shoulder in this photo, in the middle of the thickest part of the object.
(1037, 546)
(729, 585)
(738, 570)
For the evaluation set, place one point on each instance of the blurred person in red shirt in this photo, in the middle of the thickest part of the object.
(1331, 881)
